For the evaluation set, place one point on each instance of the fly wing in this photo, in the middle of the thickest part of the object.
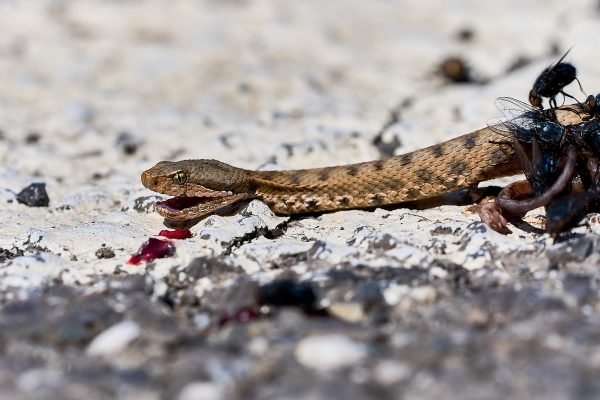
(499, 126)
(518, 121)
(512, 108)
(561, 59)
(523, 159)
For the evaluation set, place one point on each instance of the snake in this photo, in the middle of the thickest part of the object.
(204, 186)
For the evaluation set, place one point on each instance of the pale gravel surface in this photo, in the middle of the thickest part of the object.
(421, 303)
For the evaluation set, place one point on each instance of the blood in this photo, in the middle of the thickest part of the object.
(246, 315)
(243, 316)
(180, 203)
(153, 249)
(184, 234)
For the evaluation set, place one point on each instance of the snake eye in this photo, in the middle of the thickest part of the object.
(180, 177)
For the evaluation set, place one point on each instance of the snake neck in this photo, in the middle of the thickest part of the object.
(454, 165)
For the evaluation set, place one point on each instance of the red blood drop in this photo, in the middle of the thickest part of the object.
(246, 315)
(153, 249)
(224, 320)
(185, 234)
(243, 316)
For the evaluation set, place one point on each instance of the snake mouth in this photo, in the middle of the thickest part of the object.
(182, 208)
(178, 204)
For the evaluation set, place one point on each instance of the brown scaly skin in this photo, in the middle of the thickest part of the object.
(204, 186)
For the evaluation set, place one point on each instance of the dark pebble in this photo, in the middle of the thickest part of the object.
(465, 34)
(34, 195)
(6, 254)
(105, 252)
(455, 70)
(441, 230)
(386, 148)
(145, 204)
(128, 143)
(32, 138)
(287, 292)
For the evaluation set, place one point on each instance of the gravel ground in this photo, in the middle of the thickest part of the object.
(398, 303)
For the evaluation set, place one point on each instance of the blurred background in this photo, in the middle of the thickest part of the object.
(92, 92)
(114, 86)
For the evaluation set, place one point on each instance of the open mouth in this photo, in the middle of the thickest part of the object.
(184, 208)
(178, 204)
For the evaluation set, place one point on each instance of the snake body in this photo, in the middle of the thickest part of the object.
(204, 186)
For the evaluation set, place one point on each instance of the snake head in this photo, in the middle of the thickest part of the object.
(199, 187)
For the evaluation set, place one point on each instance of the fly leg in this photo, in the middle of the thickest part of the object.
(572, 97)
(553, 103)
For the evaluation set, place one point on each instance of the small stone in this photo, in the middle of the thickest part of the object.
(477, 318)
(329, 352)
(105, 252)
(37, 380)
(114, 339)
(455, 70)
(34, 195)
(201, 320)
(201, 390)
(145, 204)
(389, 372)
(259, 346)
(287, 292)
(423, 294)
(6, 254)
(395, 293)
(465, 34)
(349, 312)
(32, 138)
(128, 143)
(593, 221)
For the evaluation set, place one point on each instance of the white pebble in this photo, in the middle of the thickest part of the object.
(329, 352)
(394, 293)
(388, 372)
(423, 294)
(114, 339)
(39, 380)
(202, 321)
(201, 391)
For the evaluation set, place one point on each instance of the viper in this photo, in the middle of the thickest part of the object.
(200, 187)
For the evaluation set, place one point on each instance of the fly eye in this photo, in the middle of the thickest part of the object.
(180, 177)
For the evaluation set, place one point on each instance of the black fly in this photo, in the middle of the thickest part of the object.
(550, 155)
(544, 137)
(551, 82)
(561, 163)
(567, 211)
(590, 135)
(592, 105)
